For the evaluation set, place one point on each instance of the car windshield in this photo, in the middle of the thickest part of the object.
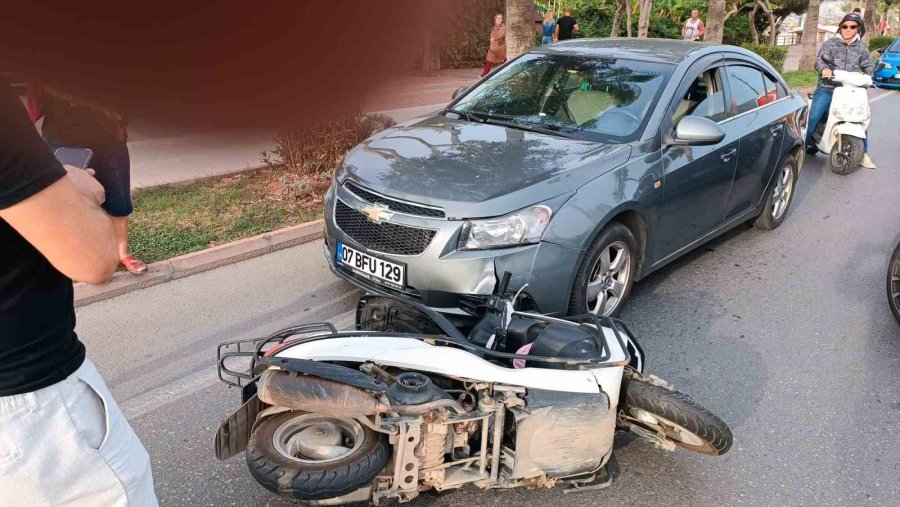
(895, 47)
(589, 97)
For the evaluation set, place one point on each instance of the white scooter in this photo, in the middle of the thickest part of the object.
(842, 132)
(408, 403)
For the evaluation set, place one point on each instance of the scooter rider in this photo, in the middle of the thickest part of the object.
(848, 53)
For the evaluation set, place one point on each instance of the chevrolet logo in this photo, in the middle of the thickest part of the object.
(377, 213)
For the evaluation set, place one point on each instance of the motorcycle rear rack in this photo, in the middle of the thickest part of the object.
(254, 348)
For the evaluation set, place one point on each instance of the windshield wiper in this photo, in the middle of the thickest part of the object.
(465, 114)
(553, 130)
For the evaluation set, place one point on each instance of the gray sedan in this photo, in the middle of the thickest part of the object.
(578, 167)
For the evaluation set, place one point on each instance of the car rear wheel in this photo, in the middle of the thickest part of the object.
(780, 196)
(607, 273)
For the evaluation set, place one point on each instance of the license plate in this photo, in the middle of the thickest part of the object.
(390, 274)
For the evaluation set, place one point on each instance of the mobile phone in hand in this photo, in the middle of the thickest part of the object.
(78, 157)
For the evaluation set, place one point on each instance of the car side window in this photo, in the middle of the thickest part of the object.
(703, 98)
(747, 88)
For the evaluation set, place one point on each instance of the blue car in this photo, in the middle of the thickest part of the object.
(887, 68)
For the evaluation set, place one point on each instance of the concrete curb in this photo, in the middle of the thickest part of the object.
(198, 262)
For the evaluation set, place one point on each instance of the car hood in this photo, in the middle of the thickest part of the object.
(475, 169)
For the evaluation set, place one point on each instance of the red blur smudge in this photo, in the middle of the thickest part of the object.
(242, 63)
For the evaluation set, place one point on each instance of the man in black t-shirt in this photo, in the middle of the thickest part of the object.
(566, 26)
(63, 439)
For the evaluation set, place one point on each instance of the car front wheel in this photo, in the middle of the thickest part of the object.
(606, 274)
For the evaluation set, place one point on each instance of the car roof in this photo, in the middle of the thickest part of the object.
(652, 50)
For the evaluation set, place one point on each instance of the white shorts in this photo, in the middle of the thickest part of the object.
(69, 444)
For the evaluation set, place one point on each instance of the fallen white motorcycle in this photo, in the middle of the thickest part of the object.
(842, 132)
(408, 403)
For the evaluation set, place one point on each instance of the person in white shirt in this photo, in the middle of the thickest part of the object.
(693, 28)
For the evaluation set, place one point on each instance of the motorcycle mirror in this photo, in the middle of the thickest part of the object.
(459, 91)
(504, 283)
(828, 59)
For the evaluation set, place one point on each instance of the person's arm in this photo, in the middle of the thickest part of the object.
(69, 228)
(684, 27)
(866, 63)
(822, 67)
(701, 29)
(56, 210)
(576, 27)
(556, 33)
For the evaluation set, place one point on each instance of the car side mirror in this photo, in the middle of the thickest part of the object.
(880, 51)
(459, 91)
(698, 131)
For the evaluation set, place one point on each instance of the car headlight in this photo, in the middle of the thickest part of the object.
(522, 227)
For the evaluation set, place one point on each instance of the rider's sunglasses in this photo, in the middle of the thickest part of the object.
(849, 27)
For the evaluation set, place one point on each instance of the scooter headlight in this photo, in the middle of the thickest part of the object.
(837, 113)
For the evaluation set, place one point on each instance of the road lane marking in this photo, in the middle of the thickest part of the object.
(882, 95)
(155, 399)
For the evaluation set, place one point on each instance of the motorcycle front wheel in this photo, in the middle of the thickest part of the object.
(675, 417)
(846, 155)
(893, 283)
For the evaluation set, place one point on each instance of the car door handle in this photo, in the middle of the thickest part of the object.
(726, 156)
(776, 129)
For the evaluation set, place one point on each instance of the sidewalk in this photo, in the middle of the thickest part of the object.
(163, 153)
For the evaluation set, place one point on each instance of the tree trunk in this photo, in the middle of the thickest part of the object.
(715, 21)
(754, 33)
(628, 11)
(869, 20)
(617, 18)
(519, 27)
(810, 36)
(644, 18)
(773, 28)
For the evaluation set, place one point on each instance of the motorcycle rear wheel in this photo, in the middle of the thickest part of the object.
(675, 416)
(843, 161)
(893, 283)
(290, 454)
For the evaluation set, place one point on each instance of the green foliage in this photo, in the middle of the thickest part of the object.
(596, 21)
(737, 30)
(774, 56)
(880, 42)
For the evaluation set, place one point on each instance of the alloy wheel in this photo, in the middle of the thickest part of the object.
(609, 279)
(784, 187)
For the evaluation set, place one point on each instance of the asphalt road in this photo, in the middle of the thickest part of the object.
(785, 334)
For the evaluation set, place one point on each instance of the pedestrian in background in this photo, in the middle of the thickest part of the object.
(693, 28)
(71, 121)
(566, 26)
(496, 54)
(549, 28)
(63, 438)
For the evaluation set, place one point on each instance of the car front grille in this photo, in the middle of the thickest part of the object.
(384, 237)
(393, 204)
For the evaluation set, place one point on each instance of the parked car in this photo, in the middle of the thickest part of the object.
(887, 68)
(580, 167)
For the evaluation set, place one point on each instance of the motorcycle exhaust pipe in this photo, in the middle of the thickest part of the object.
(322, 396)
(312, 394)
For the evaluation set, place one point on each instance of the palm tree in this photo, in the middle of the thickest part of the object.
(715, 21)
(519, 27)
(810, 36)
